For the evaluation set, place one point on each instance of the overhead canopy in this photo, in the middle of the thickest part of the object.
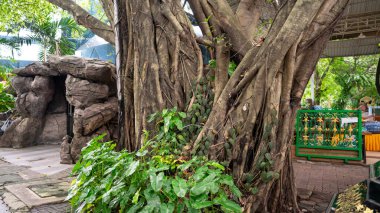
(358, 31)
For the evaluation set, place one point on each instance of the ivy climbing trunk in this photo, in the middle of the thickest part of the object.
(246, 119)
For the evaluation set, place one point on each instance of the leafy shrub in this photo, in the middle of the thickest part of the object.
(6, 100)
(156, 178)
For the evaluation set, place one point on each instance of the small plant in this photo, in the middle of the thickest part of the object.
(6, 100)
(156, 178)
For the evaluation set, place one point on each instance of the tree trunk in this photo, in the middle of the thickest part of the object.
(163, 62)
(251, 123)
(261, 106)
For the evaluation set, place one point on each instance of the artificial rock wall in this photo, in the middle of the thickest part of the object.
(44, 91)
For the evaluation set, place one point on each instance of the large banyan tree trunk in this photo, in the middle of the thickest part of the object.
(260, 100)
(251, 123)
(160, 63)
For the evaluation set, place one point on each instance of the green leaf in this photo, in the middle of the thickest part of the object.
(152, 197)
(203, 204)
(200, 173)
(185, 165)
(231, 68)
(204, 186)
(180, 207)
(227, 179)
(167, 120)
(179, 124)
(182, 114)
(131, 168)
(167, 189)
(199, 188)
(214, 188)
(268, 156)
(254, 190)
(135, 207)
(135, 198)
(216, 165)
(141, 153)
(190, 209)
(76, 168)
(266, 176)
(167, 208)
(212, 63)
(156, 181)
(148, 209)
(179, 187)
(228, 204)
(235, 191)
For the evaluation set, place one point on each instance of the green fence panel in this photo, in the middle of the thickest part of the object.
(325, 134)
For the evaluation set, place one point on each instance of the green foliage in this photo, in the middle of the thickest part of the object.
(347, 80)
(47, 33)
(15, 13)
(231, 66)
(6, 100)
(94, 7)
(156, 178)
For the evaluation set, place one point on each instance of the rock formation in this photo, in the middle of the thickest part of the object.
(44, 92)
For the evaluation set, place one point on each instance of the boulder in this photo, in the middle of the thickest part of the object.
(82, 93)
(90, 69)
(86, 121)
(34, 103)
(22, 133)
(36, 68)
(54, 129)
(21, 84)
(65, 151)
(6, 138)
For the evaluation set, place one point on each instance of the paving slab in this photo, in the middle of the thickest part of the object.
(14, 203)
(4, 208)
(43, 159)
(24, 193)
(52, 208)
(33, 180)
(327, 177)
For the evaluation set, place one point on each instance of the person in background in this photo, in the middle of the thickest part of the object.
(365, 115)
(310, 105)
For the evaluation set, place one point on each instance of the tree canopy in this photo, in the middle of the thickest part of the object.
(14, 14)
(342, 81)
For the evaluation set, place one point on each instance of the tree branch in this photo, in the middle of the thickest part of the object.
(248, 14)
(196, 7)
(85, 19)
(231, 26)
(109, 10)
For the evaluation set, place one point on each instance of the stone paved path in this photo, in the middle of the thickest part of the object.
(316, 182)
(326, 177)
(43, 159)
(32, 180)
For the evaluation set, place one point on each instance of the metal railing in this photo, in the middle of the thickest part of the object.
(333, 134)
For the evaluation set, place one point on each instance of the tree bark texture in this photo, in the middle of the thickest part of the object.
(162, 64)
(251, 123)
